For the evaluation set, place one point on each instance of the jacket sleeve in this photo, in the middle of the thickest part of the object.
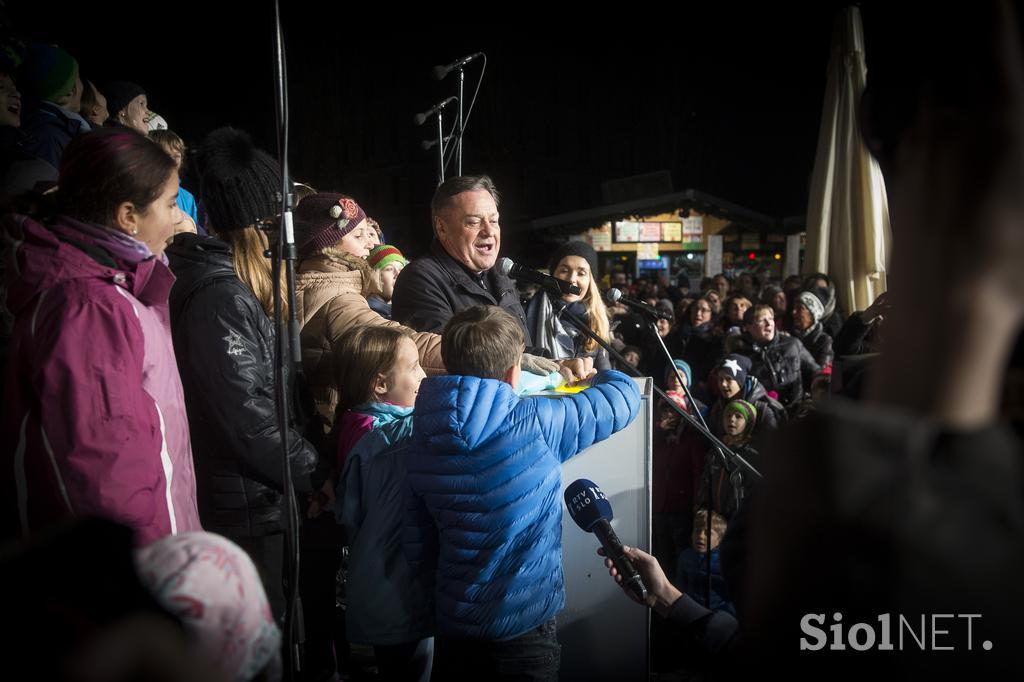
(852, 337)
(573, 423)
(420, 301)
(808, 365)
(102, 429)
(228, 374)
(351, 311)
(349, 491)
(420, 543)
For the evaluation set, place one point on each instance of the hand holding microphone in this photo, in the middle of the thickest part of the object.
(592, 512)
(661, 593)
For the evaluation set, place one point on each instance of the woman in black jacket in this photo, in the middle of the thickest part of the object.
(806, 313)
(224, 342)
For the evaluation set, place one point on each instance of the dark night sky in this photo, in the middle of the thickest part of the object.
(728, 99)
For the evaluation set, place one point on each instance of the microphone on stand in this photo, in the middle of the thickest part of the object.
(440, 72)
(613, 296)
(430, 144)
(559, 287)
(419, 119)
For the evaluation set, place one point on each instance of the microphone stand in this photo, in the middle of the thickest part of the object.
(462, 123)
(692, 421)
(285, 256)
(440, 145)
(653, 328)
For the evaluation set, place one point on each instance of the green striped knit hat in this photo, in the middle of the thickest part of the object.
(384, 255)
(746, 410)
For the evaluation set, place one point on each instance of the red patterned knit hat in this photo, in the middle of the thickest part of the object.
(321, 220)
(383, 255)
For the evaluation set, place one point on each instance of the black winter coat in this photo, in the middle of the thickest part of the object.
(818, 343)
(771, 414)
(433, 288)
(224, 343)
(783, 365)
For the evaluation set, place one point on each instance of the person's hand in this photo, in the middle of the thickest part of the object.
(661, 593)
(576, 370)
(878, 309)
(535, 364)
(322, 500)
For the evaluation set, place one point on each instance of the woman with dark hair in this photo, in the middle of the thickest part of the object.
(702, 344)
(94, 409)
(221, 308)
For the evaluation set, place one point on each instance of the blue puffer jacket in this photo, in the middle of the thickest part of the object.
(487, 466)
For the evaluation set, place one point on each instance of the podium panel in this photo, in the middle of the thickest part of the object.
(605, 635)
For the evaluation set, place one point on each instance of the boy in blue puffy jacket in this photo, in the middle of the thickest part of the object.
(485, 470)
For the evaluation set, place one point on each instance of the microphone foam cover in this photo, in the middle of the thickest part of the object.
(587, 504)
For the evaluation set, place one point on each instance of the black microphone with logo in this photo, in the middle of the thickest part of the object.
(592, 512)
(559, 287)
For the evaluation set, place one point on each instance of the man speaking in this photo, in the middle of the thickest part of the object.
(459, 271)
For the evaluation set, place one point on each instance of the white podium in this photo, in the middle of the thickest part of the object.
(604, 634)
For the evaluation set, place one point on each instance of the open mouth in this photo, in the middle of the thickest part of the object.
(485, 248)
(14, 108)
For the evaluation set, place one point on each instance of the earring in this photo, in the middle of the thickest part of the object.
(135, 231)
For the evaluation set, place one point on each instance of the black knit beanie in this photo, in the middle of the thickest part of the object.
(119, 94)
(238, 184)
(581, 249)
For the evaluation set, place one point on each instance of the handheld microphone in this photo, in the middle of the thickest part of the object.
(419, 119)
(613, 296)
(509, 268)
(440, 72)
(592, 512)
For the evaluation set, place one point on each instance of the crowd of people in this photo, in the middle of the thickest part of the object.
(139, 347)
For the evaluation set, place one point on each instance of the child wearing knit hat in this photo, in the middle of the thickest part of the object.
(738, 420)
(387, 262)
(329, 220)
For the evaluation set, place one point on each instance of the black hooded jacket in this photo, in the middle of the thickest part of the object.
(224, 343)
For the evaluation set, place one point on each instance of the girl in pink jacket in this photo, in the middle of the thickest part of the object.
(94, 420)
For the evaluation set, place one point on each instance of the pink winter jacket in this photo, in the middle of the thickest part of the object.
(93, 406)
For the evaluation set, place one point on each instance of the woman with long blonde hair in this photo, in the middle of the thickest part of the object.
(576, 263)
(224, 336)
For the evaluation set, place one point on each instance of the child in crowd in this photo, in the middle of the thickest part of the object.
(387, 262)
(692, 575)
(729, 481)
(630, 354)
(731, 379)
(678, 461)
(379, 375)
(171, 143)
(486, 471)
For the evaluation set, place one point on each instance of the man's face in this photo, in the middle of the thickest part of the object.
(469, 231)
(762, 329)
